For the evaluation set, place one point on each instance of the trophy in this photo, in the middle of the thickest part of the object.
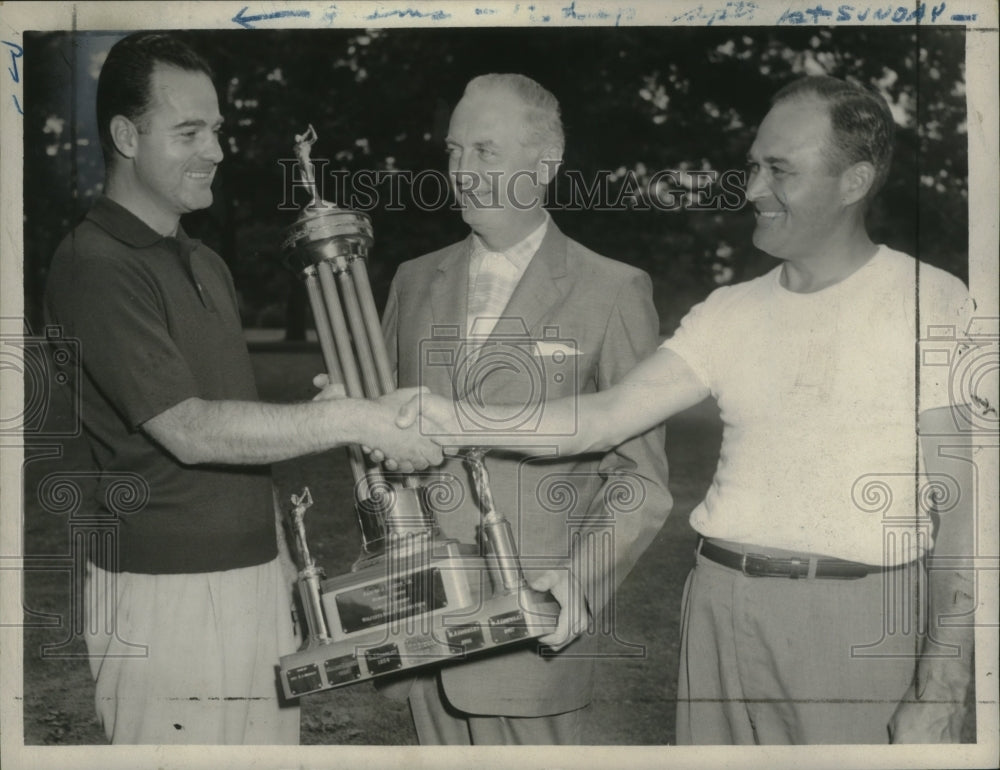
(412, 598)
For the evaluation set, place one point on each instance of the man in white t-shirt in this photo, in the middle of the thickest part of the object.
(802, 622)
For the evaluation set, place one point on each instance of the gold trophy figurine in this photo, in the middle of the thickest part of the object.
(303, 150)
(310, 574)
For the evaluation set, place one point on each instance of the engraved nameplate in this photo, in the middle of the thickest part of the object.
(381, 602)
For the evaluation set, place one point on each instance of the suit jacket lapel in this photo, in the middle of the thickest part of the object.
(448, 301)
(536, 293)
(449, 298)
(539, 288)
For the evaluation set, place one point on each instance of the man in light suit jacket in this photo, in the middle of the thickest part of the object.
(516, 314)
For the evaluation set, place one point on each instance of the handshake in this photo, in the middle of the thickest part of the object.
(414, 429)
(394, 436)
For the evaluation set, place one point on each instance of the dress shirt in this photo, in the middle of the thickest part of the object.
(493, 276)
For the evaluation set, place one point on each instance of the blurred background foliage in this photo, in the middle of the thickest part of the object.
(635, 101)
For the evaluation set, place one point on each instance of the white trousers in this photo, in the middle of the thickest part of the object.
(191, 658)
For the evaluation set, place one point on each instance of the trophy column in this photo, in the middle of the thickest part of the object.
(328, 247)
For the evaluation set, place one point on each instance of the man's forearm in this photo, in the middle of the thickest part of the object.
(934, 708)
(660, 386)
(951, 577)
(950, 607)
(951, 603)
(197, 431)
(585, 423)
(579, 424)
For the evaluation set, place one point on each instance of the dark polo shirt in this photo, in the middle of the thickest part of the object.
(157, 323)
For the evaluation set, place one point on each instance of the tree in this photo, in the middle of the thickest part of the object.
(635, 102)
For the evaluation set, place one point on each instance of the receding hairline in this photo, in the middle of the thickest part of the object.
(482, 86)
(161, 67)
(829, 147)
(157, 87)
(487, 91)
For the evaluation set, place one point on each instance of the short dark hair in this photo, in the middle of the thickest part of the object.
(124, 85)
(863, 127)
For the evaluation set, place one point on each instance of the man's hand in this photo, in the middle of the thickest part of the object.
(573, 614)
(328, 389)
(396, 402)
(404, 400)
(439, 412)
(402, 449)
(936, 716)
(438, 418)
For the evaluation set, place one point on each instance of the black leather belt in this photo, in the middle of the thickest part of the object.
(759, 565)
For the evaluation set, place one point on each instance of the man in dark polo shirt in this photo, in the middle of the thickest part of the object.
(169, 396)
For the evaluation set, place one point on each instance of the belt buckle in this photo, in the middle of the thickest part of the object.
(744, 558)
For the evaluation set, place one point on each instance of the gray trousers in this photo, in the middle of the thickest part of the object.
(771, 660)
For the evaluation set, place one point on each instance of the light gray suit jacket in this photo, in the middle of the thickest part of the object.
(577, 322)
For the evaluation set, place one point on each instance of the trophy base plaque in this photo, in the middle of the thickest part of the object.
(384, 620)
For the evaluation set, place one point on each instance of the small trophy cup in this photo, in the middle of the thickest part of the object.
(412, 598)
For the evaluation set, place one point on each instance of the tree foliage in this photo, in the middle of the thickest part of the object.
(635, 101)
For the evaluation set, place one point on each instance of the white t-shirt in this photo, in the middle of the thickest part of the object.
(819, 400)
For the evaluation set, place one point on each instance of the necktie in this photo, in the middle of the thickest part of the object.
(490, 294)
